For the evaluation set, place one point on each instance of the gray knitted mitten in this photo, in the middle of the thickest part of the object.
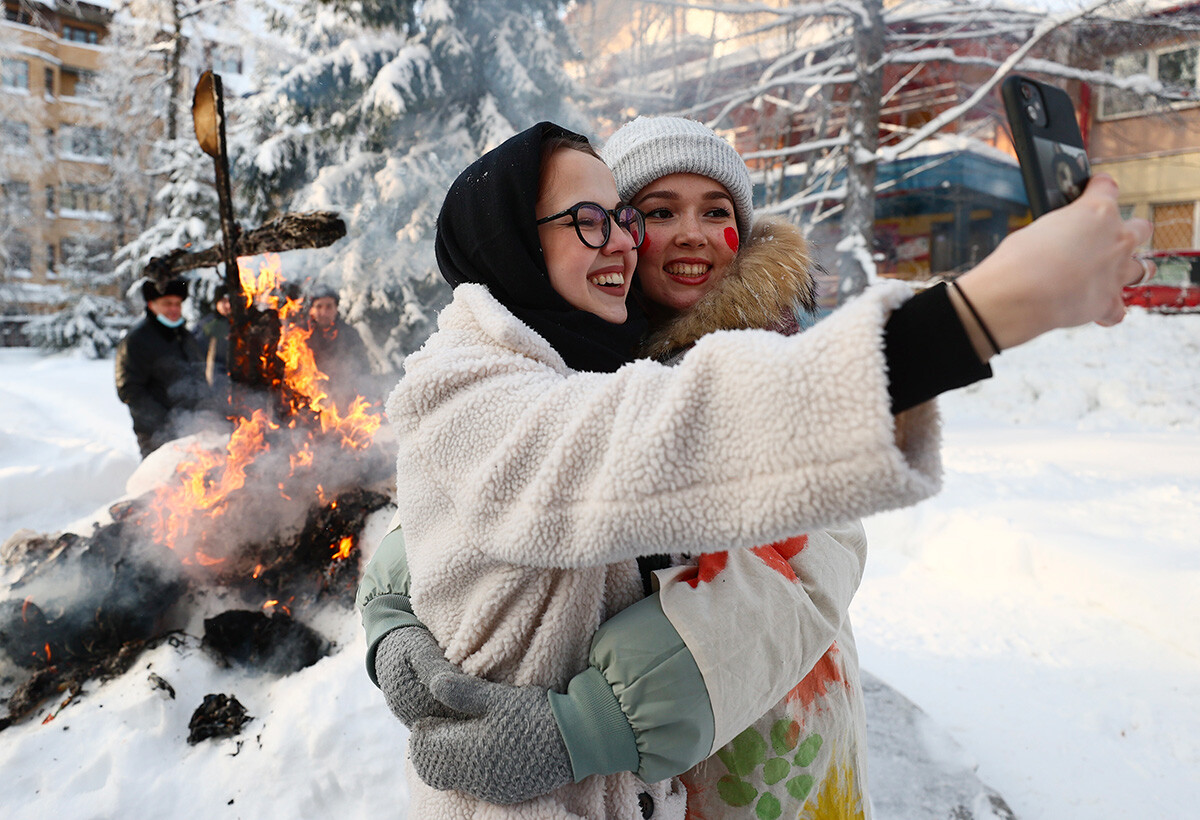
(405, 661)
(507, 751)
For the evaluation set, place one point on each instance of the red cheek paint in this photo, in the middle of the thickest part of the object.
(731, 239)
(645, 246)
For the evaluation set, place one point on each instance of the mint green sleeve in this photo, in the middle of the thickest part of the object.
(382, 597)
(641, 705)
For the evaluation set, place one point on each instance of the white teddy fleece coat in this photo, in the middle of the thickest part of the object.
(526, 488)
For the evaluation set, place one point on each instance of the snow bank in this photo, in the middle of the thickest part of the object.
(1044, 609)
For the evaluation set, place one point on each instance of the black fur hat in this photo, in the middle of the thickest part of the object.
(151, 290)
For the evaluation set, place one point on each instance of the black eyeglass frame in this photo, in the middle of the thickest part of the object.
(606, 230)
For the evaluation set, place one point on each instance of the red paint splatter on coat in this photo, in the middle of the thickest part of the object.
(816, 683)
(708, 567)
(775, 556)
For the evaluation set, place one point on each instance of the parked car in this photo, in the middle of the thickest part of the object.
(1176, 287)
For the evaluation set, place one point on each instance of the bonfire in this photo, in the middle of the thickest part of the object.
(266, 518)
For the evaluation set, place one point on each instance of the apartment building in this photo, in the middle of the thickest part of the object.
(1149, 144)
(54, 152)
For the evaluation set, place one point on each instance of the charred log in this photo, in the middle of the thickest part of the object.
(255, 369)
(217, 716)
(276, 644)
(87, 599)
(291, 231)
(305, 567)
(68, 677)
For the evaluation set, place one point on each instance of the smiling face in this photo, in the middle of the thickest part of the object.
(691, 238)
(593, 279)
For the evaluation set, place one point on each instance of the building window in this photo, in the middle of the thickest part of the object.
(80, 35)
(86, 255)
(1174, 225)
(77, 82)
(17, 14)
(19, 263)
(14, 73)
(50, 264)
(77, 198)
(15, 197)
(48, 78)
(50, 199)
(1174, 68)
(1177, 70)
(14, 137)
(83, 141)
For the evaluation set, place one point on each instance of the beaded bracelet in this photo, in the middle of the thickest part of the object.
(987, 333)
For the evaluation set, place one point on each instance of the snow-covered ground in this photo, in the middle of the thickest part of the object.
(1044, 609)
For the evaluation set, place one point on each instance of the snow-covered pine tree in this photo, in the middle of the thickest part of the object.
(382, 105)
(186, 205)
(93, 324)
(165, 181)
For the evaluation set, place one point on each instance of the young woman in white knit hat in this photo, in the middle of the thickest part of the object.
(537, 461)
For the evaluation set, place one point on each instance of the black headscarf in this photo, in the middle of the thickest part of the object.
(486, 234)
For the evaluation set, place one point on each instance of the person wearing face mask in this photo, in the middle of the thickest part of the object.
(160, 371)
(537, 462)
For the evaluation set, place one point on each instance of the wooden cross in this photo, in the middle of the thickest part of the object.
(254, 366)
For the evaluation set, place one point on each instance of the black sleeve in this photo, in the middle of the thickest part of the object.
(928, 351)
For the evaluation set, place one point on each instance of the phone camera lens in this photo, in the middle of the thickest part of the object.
(1032, 111)
(1026, 92)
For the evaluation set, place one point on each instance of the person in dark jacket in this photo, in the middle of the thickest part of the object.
(338, 350)
(160, 371)
(212, 332)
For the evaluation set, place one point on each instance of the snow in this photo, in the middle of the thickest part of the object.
(1043, 610)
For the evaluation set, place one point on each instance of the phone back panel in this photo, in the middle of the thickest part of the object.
(1054, 164)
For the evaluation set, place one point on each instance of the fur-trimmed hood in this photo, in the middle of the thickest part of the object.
(769, 280)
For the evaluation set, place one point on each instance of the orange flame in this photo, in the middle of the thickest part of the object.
(205, 481)
(207, 478)
(342, 548)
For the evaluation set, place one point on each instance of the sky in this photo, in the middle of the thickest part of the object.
(1043, 610)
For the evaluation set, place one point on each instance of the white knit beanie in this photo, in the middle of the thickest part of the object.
(648, 148)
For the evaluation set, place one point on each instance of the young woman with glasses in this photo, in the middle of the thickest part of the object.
(537, 460)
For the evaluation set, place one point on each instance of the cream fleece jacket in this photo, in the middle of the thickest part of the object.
(525, 488)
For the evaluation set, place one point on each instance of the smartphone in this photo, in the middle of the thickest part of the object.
(1054, 164)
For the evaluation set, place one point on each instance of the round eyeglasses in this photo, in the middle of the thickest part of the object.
(592, 223)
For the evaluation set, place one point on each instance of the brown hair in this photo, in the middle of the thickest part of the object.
(553, 144)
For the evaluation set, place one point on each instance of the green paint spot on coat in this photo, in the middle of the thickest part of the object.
(784, 735)
(776, 769)
(736, 792)
(749, 751)
(807, 752)
(799, 786)
(768, 807)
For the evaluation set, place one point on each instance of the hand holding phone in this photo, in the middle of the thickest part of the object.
(1054, 164)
